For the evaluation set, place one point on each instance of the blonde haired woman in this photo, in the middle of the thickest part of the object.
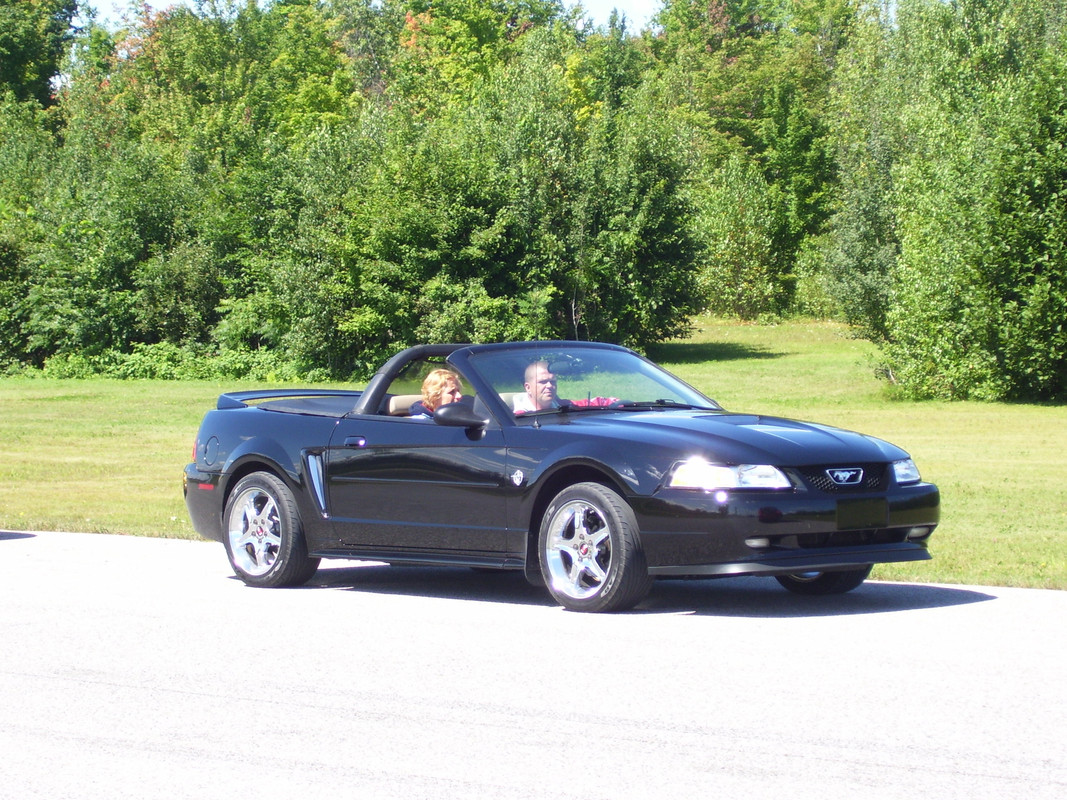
(439, 388)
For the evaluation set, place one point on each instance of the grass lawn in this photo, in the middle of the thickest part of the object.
(107, 456)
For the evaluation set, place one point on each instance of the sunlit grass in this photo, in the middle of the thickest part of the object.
(107, 456)
(98, 456)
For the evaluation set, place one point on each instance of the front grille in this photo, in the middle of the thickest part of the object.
(875, 478)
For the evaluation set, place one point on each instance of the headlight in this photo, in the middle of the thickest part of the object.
(696, 473)
(905, 471)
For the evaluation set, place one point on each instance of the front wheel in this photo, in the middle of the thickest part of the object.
(589, 550)
(264, 535)
(817, 583)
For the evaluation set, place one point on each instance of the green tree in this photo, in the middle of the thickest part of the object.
(26, 150)
(635, 281)
(862, 249)
(34, 36)
(447, 46)
(533, 210)
(735, 218)
(300, 187)
(755, 80)
(979, 293)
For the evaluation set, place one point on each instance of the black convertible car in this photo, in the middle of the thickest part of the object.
(584, 465)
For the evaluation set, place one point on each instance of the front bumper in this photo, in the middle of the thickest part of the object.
(766, 533)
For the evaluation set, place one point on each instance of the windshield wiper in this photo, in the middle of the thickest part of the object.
(663, 404)
(564, 407)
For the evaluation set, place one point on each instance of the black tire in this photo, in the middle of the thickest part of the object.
(818, 583)
(590, 551)
(264, 536)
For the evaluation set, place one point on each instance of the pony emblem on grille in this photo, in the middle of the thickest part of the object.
(847, 476)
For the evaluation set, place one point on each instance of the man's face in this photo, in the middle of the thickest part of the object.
(542, 388)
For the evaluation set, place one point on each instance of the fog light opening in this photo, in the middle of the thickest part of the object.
(920, 532)
(757, 542)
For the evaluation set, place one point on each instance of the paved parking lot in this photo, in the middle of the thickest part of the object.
(141, 668)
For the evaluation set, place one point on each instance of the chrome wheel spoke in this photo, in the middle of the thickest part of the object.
(574, 576)
(602, 538)
(261, 552)
(592, 566)
(563, 544)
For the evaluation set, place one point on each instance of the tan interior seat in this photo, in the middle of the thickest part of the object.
(400, 404)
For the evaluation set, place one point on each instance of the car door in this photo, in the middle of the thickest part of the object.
(409, 486)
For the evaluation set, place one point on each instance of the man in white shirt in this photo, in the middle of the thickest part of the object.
(540, 386)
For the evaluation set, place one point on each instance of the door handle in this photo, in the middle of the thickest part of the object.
(355, 441)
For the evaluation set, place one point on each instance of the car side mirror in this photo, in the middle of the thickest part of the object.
(459, 415)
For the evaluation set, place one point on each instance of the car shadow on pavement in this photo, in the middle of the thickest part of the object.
(457, 583)
(720, 597)
(4, 535)
(764, 597)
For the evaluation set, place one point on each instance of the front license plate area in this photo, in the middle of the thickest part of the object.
(862, 513)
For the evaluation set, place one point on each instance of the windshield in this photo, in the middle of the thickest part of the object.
(569, 378)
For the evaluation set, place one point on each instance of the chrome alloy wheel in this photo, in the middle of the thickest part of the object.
(254, 528)
(578, 549)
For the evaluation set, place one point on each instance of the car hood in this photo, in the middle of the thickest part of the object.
(742, 438)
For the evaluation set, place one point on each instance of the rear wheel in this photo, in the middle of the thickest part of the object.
(589, 550)
(264, 535)
(815, 583)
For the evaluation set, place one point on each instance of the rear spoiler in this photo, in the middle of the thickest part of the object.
(242, 399)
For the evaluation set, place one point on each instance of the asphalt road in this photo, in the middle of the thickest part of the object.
(140, 668)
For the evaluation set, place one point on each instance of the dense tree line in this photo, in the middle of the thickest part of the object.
(297, 188)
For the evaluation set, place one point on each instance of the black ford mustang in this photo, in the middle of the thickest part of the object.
(585, 465)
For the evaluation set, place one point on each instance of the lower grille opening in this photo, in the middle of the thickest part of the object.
(861, 538)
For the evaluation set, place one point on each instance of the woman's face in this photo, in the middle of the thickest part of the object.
(450, 393)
